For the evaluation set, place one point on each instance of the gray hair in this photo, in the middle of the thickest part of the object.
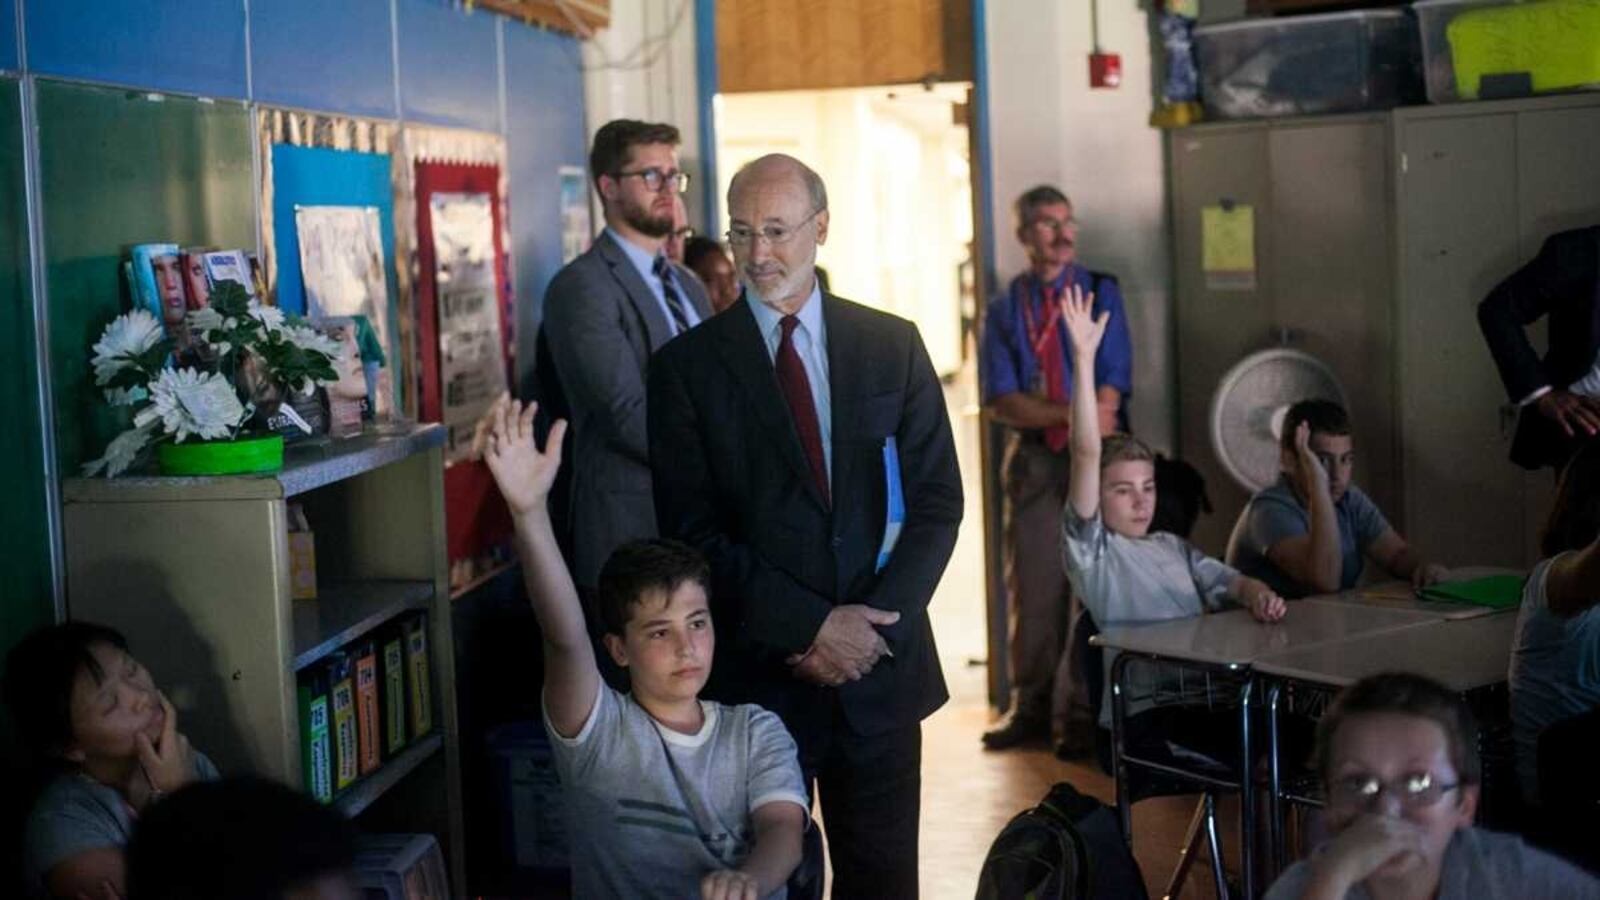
(817, 191)
(1033, 198)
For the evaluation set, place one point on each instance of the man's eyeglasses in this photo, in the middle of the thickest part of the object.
(1416, 790)
(684, 233)
(655, 179)
(744, 235)
(1056, 225)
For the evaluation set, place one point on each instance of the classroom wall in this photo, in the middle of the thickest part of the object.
(1046, 125)
(116, 168)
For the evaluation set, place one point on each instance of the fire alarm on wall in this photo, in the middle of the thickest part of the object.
(1105, 69)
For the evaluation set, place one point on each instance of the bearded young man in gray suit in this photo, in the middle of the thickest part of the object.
(604, 314)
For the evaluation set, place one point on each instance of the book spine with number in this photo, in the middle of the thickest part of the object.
(416, 632)
(341, 688)
(369, 737)
(314, 745)
(394, 693)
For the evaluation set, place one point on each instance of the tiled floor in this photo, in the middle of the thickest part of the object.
(968, 794)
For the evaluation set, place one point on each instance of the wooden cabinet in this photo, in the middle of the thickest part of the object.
(1376, 237)
(195, 571)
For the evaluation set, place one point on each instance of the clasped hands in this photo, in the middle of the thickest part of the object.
(846, 647)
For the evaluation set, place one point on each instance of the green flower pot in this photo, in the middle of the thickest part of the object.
(241, 457)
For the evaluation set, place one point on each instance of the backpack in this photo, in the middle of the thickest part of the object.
(1067, 848)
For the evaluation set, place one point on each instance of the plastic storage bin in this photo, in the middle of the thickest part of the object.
(1305, 65)
(1549, 45)
(400, 867)
(1433, 18)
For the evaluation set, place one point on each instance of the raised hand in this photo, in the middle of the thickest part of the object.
(523, 473)
(1083, 326)
(168, 763)
(1309, 473)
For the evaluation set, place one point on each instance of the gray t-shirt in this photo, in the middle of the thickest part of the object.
(1554, 673)
(1478, 865)
(76, 814)
(1123, 580)
(650, 811)
(1275, 513)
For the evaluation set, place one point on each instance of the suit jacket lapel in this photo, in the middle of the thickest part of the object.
(644, 301)
(845, 348)
(744, 352)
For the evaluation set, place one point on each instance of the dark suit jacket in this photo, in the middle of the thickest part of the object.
(1562, 282)
(601, 323)
(731, 479)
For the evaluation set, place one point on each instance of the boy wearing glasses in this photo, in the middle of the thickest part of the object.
(606, 312)
(1398, 758)
(1025, 368)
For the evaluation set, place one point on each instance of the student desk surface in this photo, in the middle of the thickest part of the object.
(1233, 639)
(1463, 655)
(1400, 595)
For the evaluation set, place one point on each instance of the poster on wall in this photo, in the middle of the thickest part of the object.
(576, 229)
(472, 364)
(341, 264)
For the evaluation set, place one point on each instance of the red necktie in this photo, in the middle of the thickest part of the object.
(796, 389)
(1053, 365)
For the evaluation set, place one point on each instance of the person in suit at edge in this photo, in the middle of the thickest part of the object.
(775, 431)
(604, 314)
(1558, 395)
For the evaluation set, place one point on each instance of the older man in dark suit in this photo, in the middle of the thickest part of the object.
(604, 314)
(782, 432)
(1559, 394)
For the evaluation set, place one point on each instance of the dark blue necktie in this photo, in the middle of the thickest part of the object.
(680, 317)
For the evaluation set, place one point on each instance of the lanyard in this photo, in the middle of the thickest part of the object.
(1040, 336)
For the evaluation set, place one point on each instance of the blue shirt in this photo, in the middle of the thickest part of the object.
(645, 263)
(811, 342)
(1006, 361)
(1275, 513)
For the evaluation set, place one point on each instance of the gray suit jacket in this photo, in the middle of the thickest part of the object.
(602, 323)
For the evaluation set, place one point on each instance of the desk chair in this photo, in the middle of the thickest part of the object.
(1153, 771)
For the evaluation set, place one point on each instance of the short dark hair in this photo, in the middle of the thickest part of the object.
(697, 248)
(1406, 694)
(244, 838)
(1575, 519)
(639, 567)
(614, 142)
(1325, 416)
(1033, 198)
(40, 671)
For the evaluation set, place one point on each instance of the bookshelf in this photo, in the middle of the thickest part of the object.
(195, 571)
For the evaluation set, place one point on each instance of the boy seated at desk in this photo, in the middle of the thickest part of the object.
(1555, 657)
(1308, 533)
(109, 743)
(1123, 571)
(667, 795)
(1398, 758)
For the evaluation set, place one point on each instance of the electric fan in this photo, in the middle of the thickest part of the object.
(1248, 409)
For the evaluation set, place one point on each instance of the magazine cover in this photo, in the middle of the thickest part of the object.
(342, 265)
(230, 265)
(196, 288)
(158, 287)
(348, 402)
(472, 364)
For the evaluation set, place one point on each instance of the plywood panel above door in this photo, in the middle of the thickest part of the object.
(765, 45)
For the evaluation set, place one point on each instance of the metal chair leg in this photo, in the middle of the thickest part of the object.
(1247, 797)
(1198, 829)
(1275, 822)
(1119, 768)
(1215, 845)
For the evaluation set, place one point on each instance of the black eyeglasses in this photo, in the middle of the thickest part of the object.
(655, 179)
(1414, 790)
(684, 233)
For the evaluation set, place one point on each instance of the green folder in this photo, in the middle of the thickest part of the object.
(1494, 591)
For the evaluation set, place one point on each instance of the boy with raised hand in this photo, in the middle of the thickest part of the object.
(1123, 571)
(667, 795)
(1310, 532)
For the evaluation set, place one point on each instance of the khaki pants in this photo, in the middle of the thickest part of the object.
(1045, 682)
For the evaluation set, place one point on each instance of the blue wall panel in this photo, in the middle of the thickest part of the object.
(449, 68)
(544, 131)
(196, 46)
(333, 55)
(8, 34)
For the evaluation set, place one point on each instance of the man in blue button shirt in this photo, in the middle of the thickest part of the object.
(605, 313)
(1026, 381)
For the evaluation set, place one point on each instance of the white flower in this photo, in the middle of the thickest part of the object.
(270, 317)
(126, 396)
(206, 319)
(120, 453)
(188, 402)
(313, 340)
(127, 336)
